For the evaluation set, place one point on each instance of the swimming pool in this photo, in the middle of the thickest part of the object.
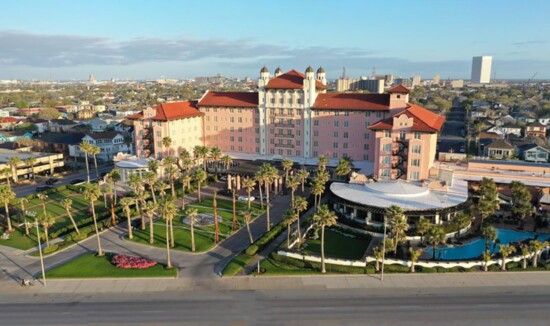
(476, 247)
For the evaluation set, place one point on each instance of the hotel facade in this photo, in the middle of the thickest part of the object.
(291, 115)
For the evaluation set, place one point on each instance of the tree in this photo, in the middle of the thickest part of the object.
(415, 255)
(536, 247)
(22, 202)
(31, 161)
(248, 185)
(111, 178)
(288, 218)
(259, 178)
(505, 251)
(47, 221)
(7, 172)
(126, 202)
(489, 233)
(292, 183)
(201, 153)
(67, 203)
(13, 162)
(216, 155)
(49, 114)
(6, 195)
(185, 182)
(150, 209)
(140, 197)
(192, 213)
(168, 211)
(322, 163)
(486, 259)
(199, 176)
(299, 204)
(234, 202)
(302, 175)
(150, 178)
(521, 200)
(324, 218)
(94, 150)
(422, 225)
(525, 251)
(317, 189)
(86, 148)
(166, 143)
(461, 220)
(247, 215)
(488, 199)
(91, 193)
(216, 226)
(378, 254)
(435, 237)
(287, 166)
(226, 160)
(172, 172)
(398, 224)
(343, 168)
(153, 166)
(269, 174)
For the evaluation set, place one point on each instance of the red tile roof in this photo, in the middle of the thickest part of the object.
(352, 101)
(230, 99)
(8, 120)
(423, 120)
(137, 116)
(177, 110)
(399, 89)
(291, 80)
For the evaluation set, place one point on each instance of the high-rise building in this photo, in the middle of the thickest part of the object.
(436, 79)
(481, 69)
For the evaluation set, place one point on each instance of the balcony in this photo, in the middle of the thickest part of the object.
(284, 146)
(284, 136)
(284, 125)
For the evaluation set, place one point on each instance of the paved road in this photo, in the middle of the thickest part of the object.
(442, 306)
(451, 134)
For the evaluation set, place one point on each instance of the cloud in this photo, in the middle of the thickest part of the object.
(529, 42)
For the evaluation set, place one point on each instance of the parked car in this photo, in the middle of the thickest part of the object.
(51, 181)
(43, 188)
(76, 181)
(224, 178)
(246, 198)
(462, 149)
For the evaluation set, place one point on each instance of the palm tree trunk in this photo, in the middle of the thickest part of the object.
(299, 232)
(99, 250)
(172, 187)
(183, 196)
(288, 235)
(524, 263)
(169, 262)
(87, 167)
(171, 234)
(9, 182)
(130, 234)
(7, 215)
(267, 206)
(113, 216)
(535, 259)
(151, 233)
(292, 195)
(26, 227)
(261, 196)
(377, 265)
(192, 237)
(216, 226)
(412, 267)
(503, 266)
(323, 270)
(73, 222)
(248, 204)
(234, 224)
(199, 191)
(47, 237)
(153, 194)
(250, 238)
(140, 211)
(96, 171)
(303, 189)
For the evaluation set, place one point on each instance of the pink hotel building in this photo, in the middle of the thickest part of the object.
(291, 115)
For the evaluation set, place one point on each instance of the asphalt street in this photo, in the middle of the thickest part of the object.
(439, 306)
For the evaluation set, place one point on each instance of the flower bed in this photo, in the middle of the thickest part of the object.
(128, 262)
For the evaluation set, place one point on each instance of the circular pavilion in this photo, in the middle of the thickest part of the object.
(132, 165)
(367, 203)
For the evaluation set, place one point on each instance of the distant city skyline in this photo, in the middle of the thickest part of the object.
(63, 40)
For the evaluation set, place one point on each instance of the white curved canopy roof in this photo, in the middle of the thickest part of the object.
(139, 163)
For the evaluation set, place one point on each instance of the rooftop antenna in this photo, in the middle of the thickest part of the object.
(344, 73)
(373, 72)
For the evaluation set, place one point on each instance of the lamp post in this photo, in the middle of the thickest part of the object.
(32, 214)
(383, 250)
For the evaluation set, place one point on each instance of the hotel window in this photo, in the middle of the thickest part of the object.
(415, 175)
(402, 135)
(281, 111)
(240, 148)
(297, 143)
(215, 110)
(378, 114)
(415, 162)
(158, 133)
(272, 151)
(387, 133)
(346, 124)
(289, 100)
(416, 149)
(367, 114)
(231, 110)
(315, 133)
(272, 141)
(345, 145)
(297, 153)
(385, 172)
(257, 140)
(315, 143)
(346, 113)
(334, 145)
(336, 113)
(280, 151)
(336, 134)
(271, 131)
(367, 124)
(336, 123)
(232, 138)
(386, 148)
(272, 102)
(345, 135)
(367, 135)
(231, 119)
(240, 129)
(298, 133)
(298, 122)
(240, 119)
(231, 129)
(417, 135)
(257, 149)
(232, 147)
(281, 101)
(289, 142)
(215, 119)
(290, 112)
(299, 101)
(334, 155)
(257, 120)
(257, 130)
(386, 160)
(240, 139)
(366, 157)
(215, 128)
(315, 154)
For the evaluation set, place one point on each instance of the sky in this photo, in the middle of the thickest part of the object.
(136, 39)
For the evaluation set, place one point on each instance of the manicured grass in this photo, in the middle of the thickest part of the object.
(236, 265)
(91, 266)
(18, 240)
(337, 246)
(204, 235)
(272, 267)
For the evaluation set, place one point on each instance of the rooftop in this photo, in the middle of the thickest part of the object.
(291, 80)
(352, 101)
(423, 120)
(230, 99)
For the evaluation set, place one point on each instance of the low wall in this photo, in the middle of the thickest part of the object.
(519, 166)
(451, 157)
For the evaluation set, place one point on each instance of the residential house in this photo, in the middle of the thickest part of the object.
(8, 123)
(62, 125)
(12, 136)
(526, 117)
(499, 149)
(533, 153)
(545, 120)
(535, 129)
(98, 125)
(85, 114)
(110, 143)
(506, 129)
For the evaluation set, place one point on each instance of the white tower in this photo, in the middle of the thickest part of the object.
(321, 77)
(481, 69)
(278, 72)
(262, 108)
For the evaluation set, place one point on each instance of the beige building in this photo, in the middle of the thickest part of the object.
(44, 162)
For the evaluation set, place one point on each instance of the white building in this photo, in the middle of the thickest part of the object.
(481, 69)
(110, 143)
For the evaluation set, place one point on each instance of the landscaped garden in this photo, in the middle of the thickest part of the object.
(92, 266)
(204, 234)
(338, 245)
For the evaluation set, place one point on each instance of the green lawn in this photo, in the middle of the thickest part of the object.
(18, 240)
(337, 246)
(236, 265)
(204, 235)
(91, 266)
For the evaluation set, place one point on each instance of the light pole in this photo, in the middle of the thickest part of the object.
(32, 214)
(383, 250)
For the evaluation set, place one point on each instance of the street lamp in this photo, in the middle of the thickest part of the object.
(383, 249)
(32, 215)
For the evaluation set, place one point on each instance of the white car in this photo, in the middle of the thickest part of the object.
(246, 198)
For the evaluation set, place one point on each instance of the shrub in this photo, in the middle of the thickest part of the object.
(264, 241)
(128, 262)
(50, 249)
(252, 250)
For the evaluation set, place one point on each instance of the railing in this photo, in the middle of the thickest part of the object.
(284, 146)
(284, 125)
(284, 136)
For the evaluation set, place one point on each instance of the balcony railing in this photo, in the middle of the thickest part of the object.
(284, 136)
(284, 146)
(284, 125)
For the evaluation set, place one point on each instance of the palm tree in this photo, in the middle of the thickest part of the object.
(505, 251)
(378, 254)
(422, 225)
(247, 215)
(234, 202)
(248, 185)
(200, 177)
(490, 235)
(126, 202)
(317, 189)
(67, 203)
(7, 172)
(43, 198)
(536, 247)
(302, 175)
(287, 166)
(216, 155)
(31, 161)
(322, 163)
(6, 195)
(216, 226)
(150, 209)
(435, 237)
(488, 199)
(461, 220)
(153, 166)
(94, 150)
(185, 181)
(185, 162)
(91, 193)
(415, 255)
(47, 222)
(292, 183)
(324, 218)
(288, 218)
(140, 197)
(486, 258)
(201, 153)
(226, 160)
(22, 202)
(85, 147)
(111, 182)
(168, 211)
(398, 224)
(343, 168)
(13, 162)
(172, 172)
(114, 177)
(299, 204)
(521, 200)
(166, 143)
(269, 174)
(192, 213)
(259, 178)
(150, 179)
(524, 255)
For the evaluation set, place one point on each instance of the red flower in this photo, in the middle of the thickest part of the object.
(129, 262)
